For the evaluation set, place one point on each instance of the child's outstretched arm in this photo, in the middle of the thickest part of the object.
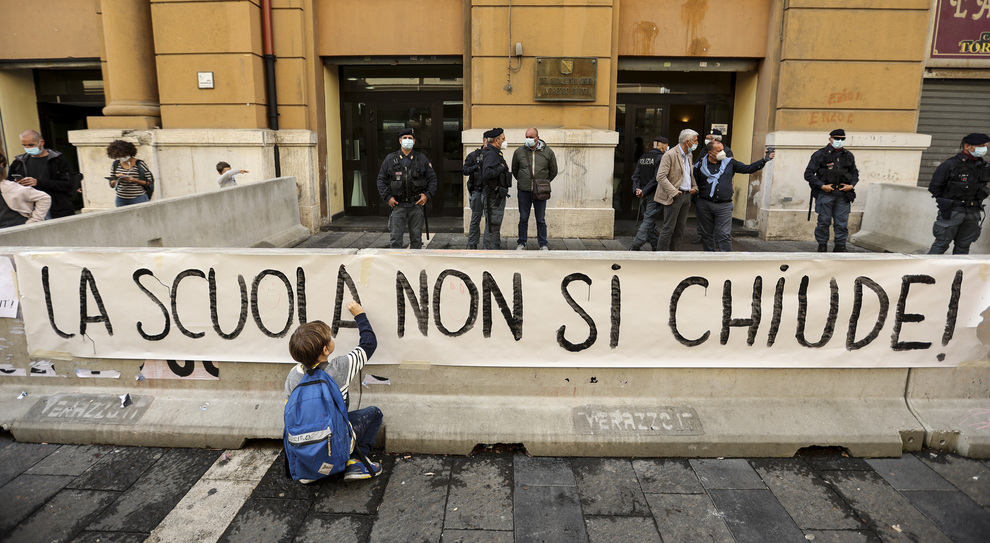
(359, 356)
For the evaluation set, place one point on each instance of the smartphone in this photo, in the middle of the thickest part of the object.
(769, 150)
(16, 177)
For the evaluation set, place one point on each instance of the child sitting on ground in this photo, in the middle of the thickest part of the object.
(311, 345)
(227, 174)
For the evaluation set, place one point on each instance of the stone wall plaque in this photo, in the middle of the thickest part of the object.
(561, 79)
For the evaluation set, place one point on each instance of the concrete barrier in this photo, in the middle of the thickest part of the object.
(899, 218)
(264, 214)
(696, 412)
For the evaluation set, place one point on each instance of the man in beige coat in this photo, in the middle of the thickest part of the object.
(675, 185)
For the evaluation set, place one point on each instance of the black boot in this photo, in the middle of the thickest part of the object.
(839, 248)
(822, 247)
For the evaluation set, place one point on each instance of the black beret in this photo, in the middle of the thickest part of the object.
(716, 132)
(661, 139)
(489, 134)
(494, 133)
(407, 132)
(976, 139)
(837, 133)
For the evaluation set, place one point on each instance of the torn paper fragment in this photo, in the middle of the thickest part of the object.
(8, 370)
(125, 400)
(374, 380)
(22, 395)
(42, 368)
(101, 374)
(8, 289)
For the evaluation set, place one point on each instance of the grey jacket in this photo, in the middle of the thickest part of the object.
(538, 163)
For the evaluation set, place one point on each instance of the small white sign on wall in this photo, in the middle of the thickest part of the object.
(205, 80)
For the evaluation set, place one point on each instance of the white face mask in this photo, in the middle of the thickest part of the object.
(979, 151)
(720, 156)
(407, 144)
(125, 158)
(505, 145)
(694, 146)
(530, 142)
(838, 143)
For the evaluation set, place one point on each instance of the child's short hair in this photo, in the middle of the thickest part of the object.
(307, 342)
(221, 165)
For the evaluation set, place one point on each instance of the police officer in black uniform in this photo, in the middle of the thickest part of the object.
(472, 170)
(644, 186)
(959, 185)
(407, 181)
(497, 179)
(832, 174)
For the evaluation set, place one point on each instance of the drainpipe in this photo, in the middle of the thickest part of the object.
(271, 97)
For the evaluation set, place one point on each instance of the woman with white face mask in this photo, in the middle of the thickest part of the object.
(960, 185)
(129, 175)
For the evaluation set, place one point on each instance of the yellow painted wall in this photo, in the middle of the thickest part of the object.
(743, 117)
(560, 28)
(679, 28)
(386, 27)
(335, 181)
(18, 108)
(858, 67)
(52, 29)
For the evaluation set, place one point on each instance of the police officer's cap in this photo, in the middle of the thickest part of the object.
(837, 133)
(494, 133)
(407, 132)
(976, 139)
(715, 132)
(661, 139)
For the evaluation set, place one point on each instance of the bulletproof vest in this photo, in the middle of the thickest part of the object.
(647, 166)
(475, 181)
(968, 182)
(408, 182)
(841, 170)
(9, 217)
(504, 179)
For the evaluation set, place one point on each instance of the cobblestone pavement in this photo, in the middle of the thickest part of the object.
(131, 494)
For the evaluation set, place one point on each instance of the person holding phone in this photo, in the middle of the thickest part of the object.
(129, 175)
(20, 204)
(46, 170)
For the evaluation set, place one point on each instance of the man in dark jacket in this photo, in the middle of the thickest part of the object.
(644, 186)
(496, 181)
(472, 170)
(832, 174)
(46, 170)
(533, 160)
(714, 212)
(406, 181)
(959, 186)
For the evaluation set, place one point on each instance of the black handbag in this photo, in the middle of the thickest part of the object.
(541, 189)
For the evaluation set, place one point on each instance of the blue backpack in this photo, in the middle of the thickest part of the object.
(318, 437)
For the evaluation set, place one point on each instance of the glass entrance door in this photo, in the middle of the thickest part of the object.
(377, 103)
(637, 126)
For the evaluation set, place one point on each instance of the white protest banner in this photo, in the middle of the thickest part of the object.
(8, 292)
(484, 309)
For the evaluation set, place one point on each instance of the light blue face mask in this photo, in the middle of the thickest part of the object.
(530, 142)
(838, 143)
(979, 151)
(407, 144)
(694, 147)
(33, 151)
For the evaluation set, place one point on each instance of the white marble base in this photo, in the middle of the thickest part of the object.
(581, 203)
(782, 194)
(184, 161)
